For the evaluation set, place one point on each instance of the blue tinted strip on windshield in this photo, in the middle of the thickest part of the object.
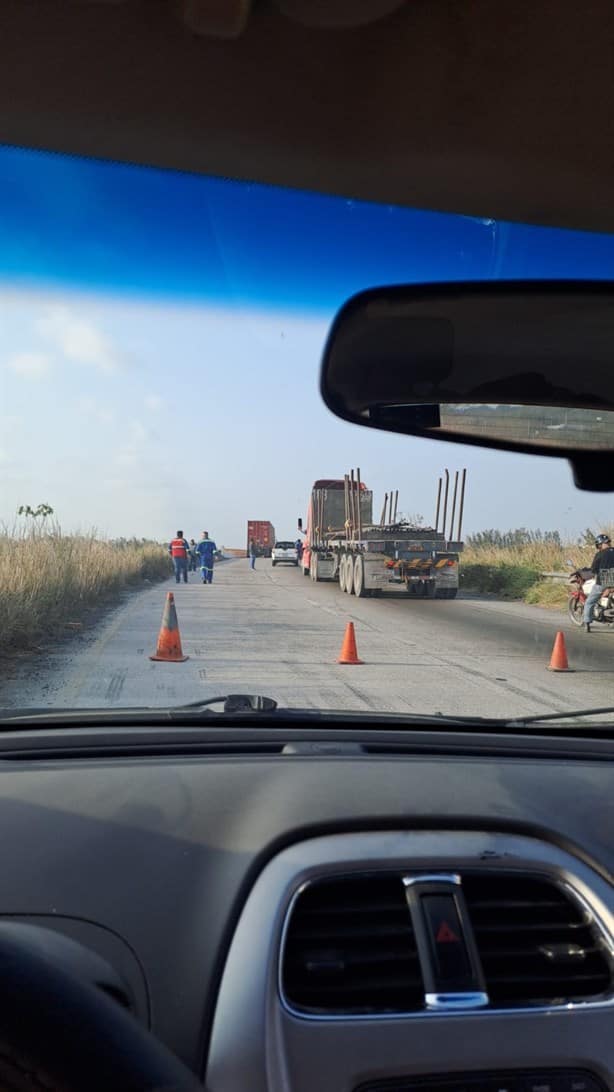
(75, 222)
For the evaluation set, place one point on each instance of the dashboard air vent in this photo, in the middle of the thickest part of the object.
(350, 949)
(536, 943)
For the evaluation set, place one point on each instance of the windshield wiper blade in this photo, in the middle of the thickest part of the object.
(243, 707)
(536, 718)
(255, 708)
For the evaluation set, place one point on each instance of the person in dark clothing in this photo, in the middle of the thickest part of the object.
(253, 553)
(603, 559)
(193, 558)
(179, 549)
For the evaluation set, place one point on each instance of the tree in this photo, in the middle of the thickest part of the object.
(42, 511)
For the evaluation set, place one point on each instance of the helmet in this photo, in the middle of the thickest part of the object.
(599, 541)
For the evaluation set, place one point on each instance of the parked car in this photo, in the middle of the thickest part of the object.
(284, 552)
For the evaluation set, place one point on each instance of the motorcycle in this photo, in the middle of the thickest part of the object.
(580, 583)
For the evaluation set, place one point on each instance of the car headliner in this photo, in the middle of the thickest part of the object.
(491, 109)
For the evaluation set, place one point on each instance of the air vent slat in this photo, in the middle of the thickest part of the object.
(360, 957)
(511, 926)
(544, 979)
(536, 943)
(492, 954)
(350, 948)
(377, 932)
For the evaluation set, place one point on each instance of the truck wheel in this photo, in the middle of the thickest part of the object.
(273, 564)
(342, 573)
(359, 578)
(349, 575)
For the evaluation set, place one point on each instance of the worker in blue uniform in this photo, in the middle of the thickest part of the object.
(206, 550)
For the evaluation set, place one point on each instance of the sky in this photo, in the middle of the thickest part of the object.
(161, 336)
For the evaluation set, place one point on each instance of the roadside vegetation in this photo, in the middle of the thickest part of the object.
(49, 581)
(509, 564)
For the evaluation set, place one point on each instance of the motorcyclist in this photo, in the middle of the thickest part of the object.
(603, 559)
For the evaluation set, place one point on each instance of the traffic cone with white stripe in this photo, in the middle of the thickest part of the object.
(169, 642)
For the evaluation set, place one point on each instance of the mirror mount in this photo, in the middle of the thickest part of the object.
(594, 471)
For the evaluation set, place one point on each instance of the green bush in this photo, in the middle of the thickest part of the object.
(508, 581)
(545, 594)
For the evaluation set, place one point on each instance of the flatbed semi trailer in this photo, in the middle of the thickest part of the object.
(343, 543)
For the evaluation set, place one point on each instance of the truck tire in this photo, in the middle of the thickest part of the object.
(349, 574)
(342, 572)
(273, 564)
(359, 578)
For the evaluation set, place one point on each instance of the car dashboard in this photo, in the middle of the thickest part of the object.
(306, 909)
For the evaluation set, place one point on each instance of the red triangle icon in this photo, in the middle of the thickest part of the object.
(445, 935)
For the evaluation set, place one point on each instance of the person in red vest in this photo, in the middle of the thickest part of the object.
(179, 549)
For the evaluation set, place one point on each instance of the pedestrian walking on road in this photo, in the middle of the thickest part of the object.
(252, 551)
(206, 551)
(179, 549)
(193, 556)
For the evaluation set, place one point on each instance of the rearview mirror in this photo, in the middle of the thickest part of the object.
(522, 366)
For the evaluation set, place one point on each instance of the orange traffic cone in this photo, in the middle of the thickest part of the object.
(558, 660)
(348, 654)
(169, 641)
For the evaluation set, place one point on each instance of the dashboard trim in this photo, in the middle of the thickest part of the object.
(284, 1048)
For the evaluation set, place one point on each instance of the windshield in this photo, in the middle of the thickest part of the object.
(161, 342)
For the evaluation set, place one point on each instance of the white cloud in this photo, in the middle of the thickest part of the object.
(153, 402)
(29, 365)
(79, 339)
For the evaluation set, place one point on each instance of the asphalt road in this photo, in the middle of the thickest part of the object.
(274, 632)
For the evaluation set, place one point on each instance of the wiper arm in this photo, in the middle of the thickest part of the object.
(536, 718)
(238, 704)
(235, 703)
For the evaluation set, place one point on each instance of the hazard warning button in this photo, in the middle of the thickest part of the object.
(451, 962)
